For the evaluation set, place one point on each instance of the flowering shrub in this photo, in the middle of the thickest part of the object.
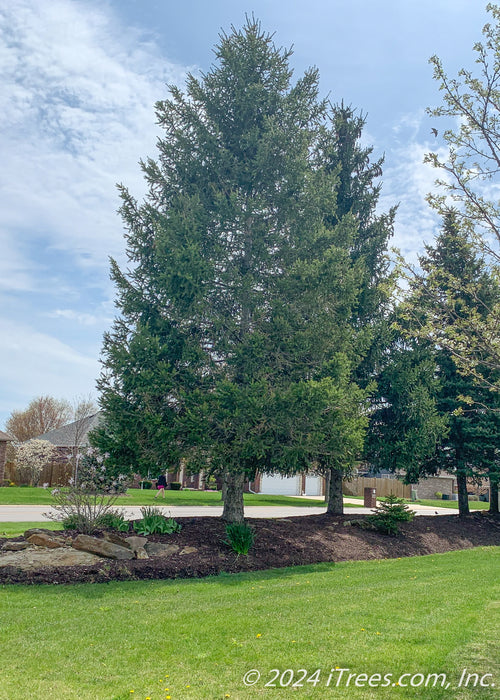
(95, 474)
(86, 502)
(32, 456)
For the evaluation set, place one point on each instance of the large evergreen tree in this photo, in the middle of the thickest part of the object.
(235, 327)
(469, 450)
(405, 424)
(357, 196)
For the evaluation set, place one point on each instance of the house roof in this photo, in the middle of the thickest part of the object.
(74, 434)
(4, 437)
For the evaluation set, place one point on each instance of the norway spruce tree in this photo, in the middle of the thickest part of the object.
(470, 449)
(405, 424)
(456, 284)
(233, 347)
(357, 196)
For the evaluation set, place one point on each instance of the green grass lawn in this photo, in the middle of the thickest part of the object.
(17, 495)
(439, 503)
(16, 529)
(435, 614)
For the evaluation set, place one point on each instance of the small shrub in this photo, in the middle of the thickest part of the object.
(76, 521)
(240, 537)
(473, 497)
(113, 521)
(175, 485)
(153, 522)
(389, 514)
(145, 484)
(438, 494)
(86, 501)
(211, 483)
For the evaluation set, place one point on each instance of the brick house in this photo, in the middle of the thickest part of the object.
(67, 439)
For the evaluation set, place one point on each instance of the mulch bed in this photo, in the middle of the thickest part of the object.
(278, 543)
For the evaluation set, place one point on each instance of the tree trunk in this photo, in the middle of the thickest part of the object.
(327, 487)
(463, 497)
(3, 457)
(493, 495)
(233, 497)
(335, 497)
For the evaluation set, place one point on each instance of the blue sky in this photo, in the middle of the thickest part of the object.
(79, 80)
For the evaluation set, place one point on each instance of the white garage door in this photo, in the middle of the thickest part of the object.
(280, 485)
(313, 485)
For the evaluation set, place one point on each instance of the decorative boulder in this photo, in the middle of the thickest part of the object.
(14, 546)
(103, 548)
(46, 539)
(157, 549)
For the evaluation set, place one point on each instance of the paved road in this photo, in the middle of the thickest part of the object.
(38, 513)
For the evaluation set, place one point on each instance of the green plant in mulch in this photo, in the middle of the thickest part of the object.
(153, 522)
(389, 514)
(240, 537)
(76, 521)
(113, 521)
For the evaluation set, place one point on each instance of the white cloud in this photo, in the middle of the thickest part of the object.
(78, 95)
(34, 363)
(104, 318)
(16, 273)
(408, 180)
(77, 103)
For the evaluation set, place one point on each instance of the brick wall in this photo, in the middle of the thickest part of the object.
(426, 488)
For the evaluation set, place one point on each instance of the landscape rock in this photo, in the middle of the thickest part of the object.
(14, 546)
(117, 539)
(157, 549)
(189, 550)
(36, 531)
(45, 539)
(140, 553)
(135, 542)
(33, 559)
(103, 548)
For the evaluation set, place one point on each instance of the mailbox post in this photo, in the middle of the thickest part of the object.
(370, 497)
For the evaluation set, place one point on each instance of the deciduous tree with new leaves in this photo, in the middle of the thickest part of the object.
(43, 414)
(471, 168)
